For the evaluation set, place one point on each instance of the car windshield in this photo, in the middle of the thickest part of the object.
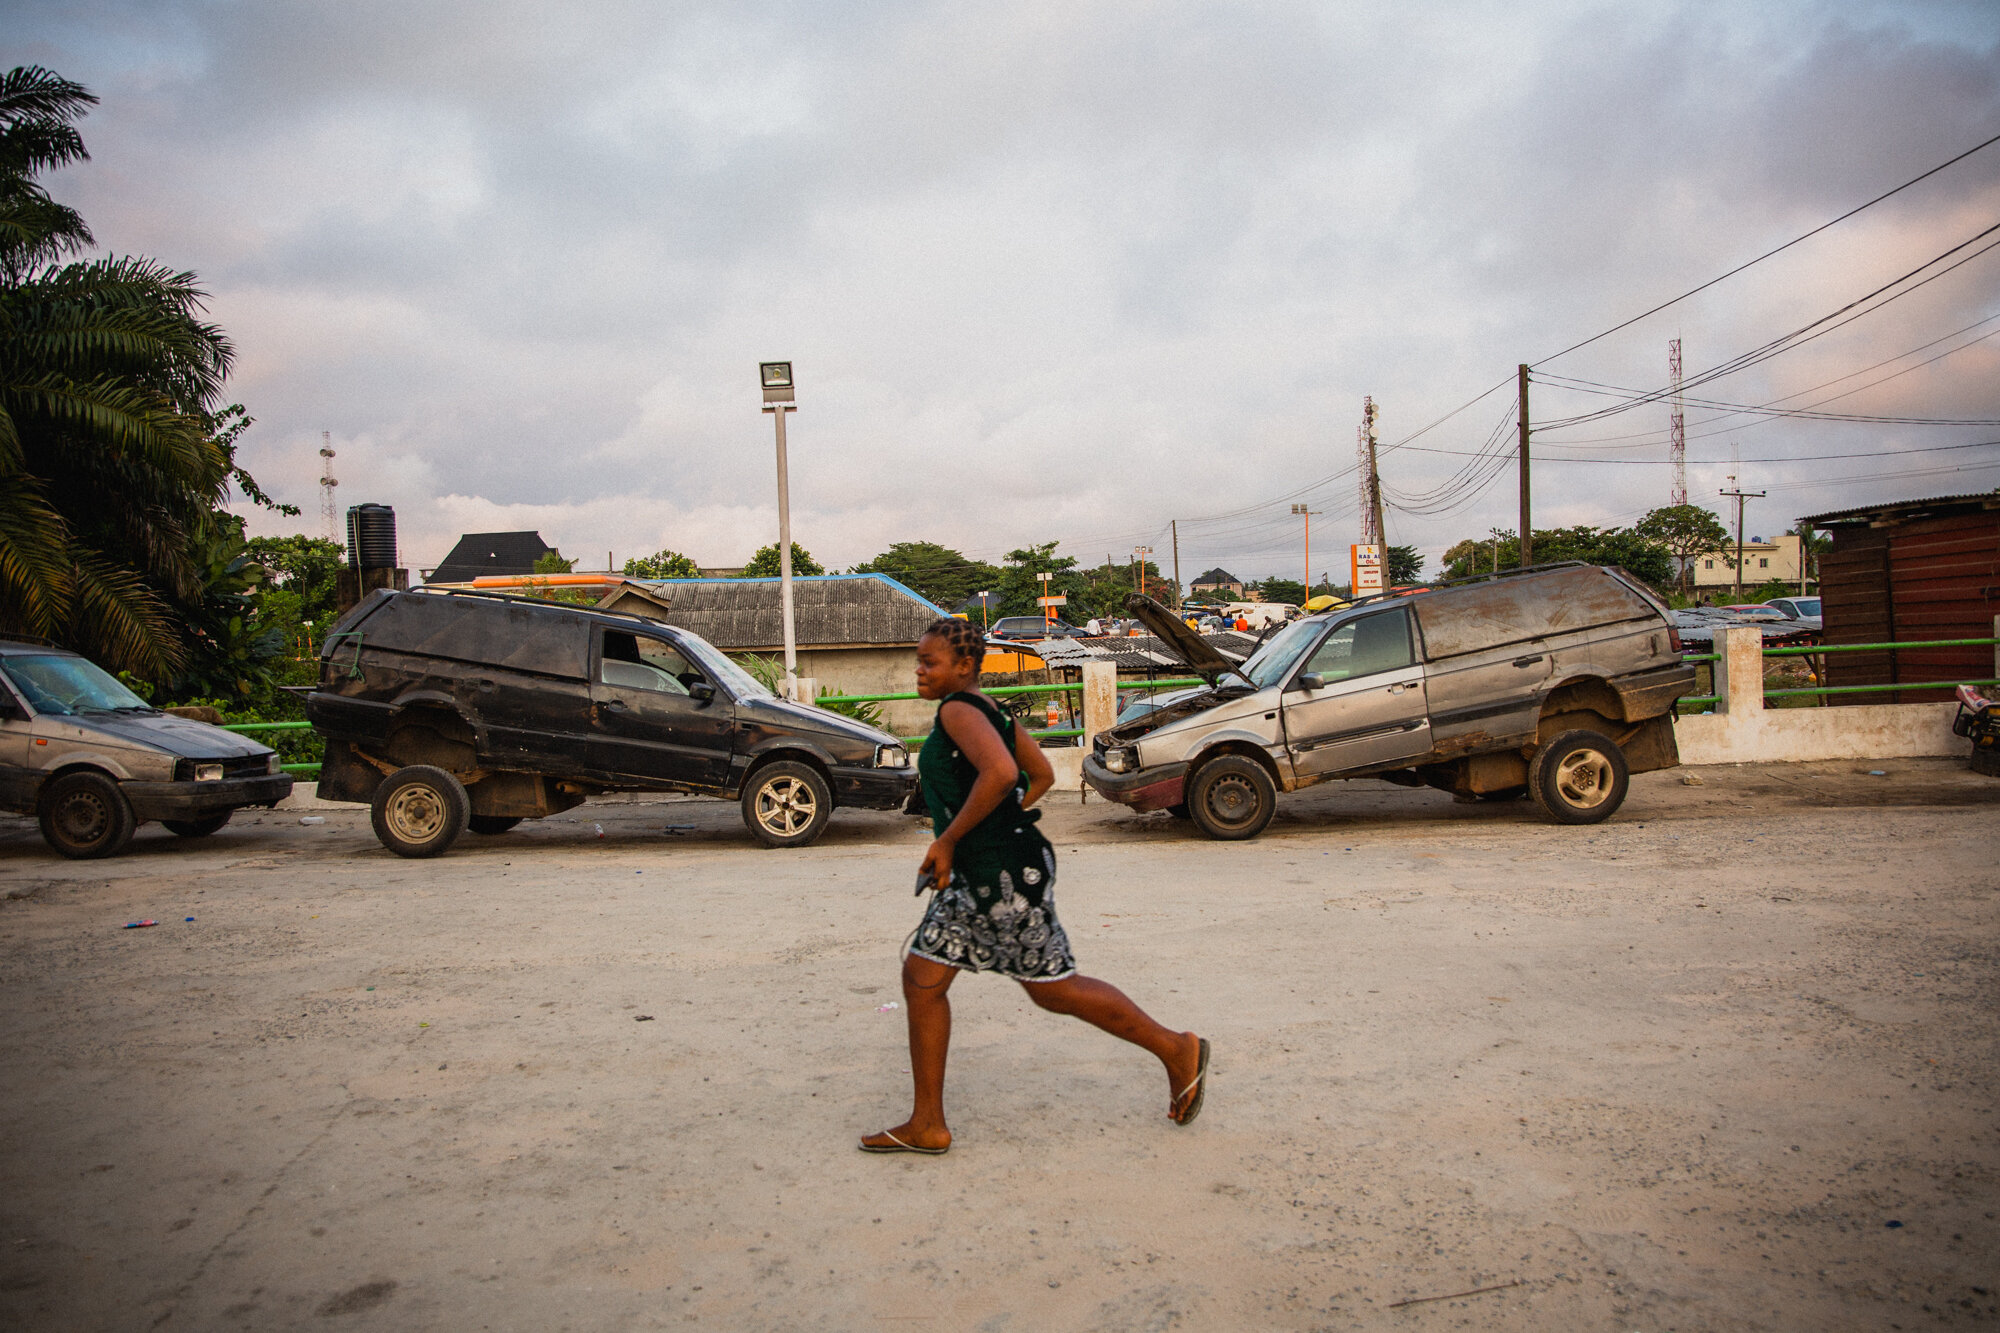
(1280, 653)
(60, 684)
(717, 663)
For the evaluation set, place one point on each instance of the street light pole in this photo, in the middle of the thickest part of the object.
(1307, 513)
(777, 381)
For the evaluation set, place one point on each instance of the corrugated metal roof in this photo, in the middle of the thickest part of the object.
(1904, 510)
(829, 610)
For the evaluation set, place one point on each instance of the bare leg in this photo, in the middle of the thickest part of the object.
(1104, 1006)
(928, 1006)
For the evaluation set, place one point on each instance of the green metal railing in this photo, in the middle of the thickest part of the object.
(1815, 650)
(304, 770)
(1007, 691)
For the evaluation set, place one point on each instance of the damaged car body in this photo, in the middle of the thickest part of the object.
(452, 710)
(1555, 681)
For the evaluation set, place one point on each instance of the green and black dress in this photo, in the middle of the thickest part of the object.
(998, 914)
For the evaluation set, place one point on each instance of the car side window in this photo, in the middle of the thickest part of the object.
(637, 662)
(1364, 647)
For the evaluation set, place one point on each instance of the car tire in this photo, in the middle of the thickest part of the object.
(1231, 797)
(787, 804)
(1579, 777)
(1179, 810)
(488, 825)
(85, 816)
(419, 811)
(196, 828)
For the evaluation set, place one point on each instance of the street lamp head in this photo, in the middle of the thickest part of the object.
(776, 377)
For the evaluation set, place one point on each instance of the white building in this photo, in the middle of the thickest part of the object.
(1763, 561)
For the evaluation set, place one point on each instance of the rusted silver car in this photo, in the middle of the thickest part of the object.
(1556, 681)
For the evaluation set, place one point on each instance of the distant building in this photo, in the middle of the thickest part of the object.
(484, 554)
(1763, 561)
(1217, 580)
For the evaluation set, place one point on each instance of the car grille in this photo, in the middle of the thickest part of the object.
(242, 766)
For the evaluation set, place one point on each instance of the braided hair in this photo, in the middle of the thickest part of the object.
(964, 638)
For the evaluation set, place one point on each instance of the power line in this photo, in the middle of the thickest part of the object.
(1780, 250)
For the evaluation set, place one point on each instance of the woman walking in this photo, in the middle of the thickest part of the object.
(993, 906)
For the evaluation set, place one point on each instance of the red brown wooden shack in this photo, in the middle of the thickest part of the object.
(1911, 570)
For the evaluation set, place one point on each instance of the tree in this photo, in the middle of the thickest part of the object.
(1686, 533)
(1405, 565)
(1640, 556)
(662, 565)
(764, 564)
(1813, 543)
(115, 457)
(1282, 590)
(943, 575)
(553, 562)
(1019, 586)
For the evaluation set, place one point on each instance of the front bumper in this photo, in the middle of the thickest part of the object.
(1153, 788)
(873, 788)
(197, 800)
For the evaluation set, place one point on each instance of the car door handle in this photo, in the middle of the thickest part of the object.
(1527, 661)
(484, 685)
(613, 705)
(1398, 689)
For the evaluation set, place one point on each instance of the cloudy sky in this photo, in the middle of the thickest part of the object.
(1051, 271)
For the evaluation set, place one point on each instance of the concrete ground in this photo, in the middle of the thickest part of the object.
(1726, 1062)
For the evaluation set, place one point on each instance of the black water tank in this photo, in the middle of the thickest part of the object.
(371, 537)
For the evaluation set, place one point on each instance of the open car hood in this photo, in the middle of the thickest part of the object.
(1183, 642)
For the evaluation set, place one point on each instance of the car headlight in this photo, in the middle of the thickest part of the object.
(208, 772)
(891, 756)
(274, 764)
(1121, 758)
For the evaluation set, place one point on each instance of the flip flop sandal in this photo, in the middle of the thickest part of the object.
(897, 1145)
(1199, 1087)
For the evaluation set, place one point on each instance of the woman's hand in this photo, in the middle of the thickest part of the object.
(937, 862)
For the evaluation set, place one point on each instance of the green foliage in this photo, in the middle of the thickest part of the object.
(552, 562)
(1643, 558)
(662, 565)
(766, 671)
(764, 564)
(1018, 587)
(115, 458)
(1685, 533)
(1283, 590)
(295, 745)
(870, 713)
(231, 650)
(1405, 565)
(943, 575)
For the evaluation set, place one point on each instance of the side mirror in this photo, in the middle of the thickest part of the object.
(701, 691)
(1312, 680)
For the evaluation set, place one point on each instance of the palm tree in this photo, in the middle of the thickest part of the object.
(113, 457)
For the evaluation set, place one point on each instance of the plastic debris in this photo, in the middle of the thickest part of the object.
(880, 1008)
(599, 828)
(1877, 773)
(1690, 781)
(1892, 1225)
(135, 925)
(189, 918)
(312, 819)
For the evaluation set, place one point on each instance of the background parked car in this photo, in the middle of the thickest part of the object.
(1019, 628)
(93, 761)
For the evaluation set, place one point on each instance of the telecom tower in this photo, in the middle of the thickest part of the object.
(1677, 445)
(1371, 482)
(328, 522)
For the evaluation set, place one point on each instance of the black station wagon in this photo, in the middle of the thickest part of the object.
(453, 710)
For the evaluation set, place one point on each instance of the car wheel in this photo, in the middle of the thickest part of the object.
(419, 811)
(488, 825)
(197, 828)
(1579, 777)
(787, 804)
(85, 816)
(1232, 797)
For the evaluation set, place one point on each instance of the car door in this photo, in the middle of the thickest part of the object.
(1370, 708)
(646, 723)
(18, 779)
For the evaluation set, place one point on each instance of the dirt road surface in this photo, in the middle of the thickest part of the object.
(1724, 1063)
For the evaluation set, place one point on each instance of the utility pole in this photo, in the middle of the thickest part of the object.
(1307, 513)
(1527, 532)
(1496, 549)
(1139, 554)
(1371, 482)
(776, 378)
(1740, 496)
(1677, 445)
(1175, 525)
(328, 520)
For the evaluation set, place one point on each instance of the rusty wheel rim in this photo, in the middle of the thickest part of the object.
(1584, 779)
(83, 817)
(415, 814)
(1232, 800)
(786, 806)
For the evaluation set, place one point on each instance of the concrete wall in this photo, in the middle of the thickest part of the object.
(1743, 731)
(871, 671)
